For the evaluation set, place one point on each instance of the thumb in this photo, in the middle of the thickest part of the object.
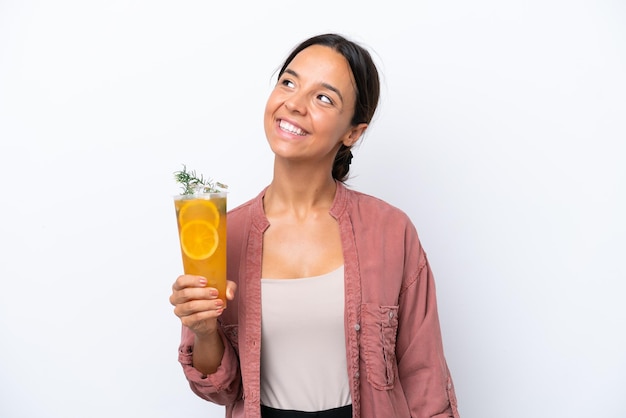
(231, 289)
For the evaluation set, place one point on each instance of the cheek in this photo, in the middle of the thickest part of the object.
(272, 104)
(268, 115)
(269, 109)
(330, 125)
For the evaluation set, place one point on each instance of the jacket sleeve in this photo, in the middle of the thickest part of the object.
(422, 367)
(222, 387)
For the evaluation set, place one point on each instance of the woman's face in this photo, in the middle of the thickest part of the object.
(309, 112)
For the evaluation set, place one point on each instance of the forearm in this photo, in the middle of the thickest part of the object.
(208, 352)
(422, 365)
(223, 386)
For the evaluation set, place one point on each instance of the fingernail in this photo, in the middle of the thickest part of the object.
(214, 292)
(202, 281)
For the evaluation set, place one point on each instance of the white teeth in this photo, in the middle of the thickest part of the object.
(286, 126)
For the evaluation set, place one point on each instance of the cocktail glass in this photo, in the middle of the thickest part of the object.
(201, 219)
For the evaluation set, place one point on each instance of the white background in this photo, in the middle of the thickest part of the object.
(501, 132)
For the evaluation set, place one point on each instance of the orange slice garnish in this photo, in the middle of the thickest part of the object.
(199, 239)
(199, 209)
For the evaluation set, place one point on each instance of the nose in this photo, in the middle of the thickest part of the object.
(296, 103)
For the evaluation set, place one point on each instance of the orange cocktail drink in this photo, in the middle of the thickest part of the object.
(201, 221)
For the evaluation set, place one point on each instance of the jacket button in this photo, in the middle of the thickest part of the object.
(357, 327)
(357, 374)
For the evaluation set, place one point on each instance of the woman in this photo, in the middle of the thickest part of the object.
(335, 314)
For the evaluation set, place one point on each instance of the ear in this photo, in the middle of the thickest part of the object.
(354, 134)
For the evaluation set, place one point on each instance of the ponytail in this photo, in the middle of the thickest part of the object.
(341, 165)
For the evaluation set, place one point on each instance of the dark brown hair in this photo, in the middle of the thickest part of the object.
(366, 81)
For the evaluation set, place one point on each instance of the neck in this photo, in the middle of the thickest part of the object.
(299, 190)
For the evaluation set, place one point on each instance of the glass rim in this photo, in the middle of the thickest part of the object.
(202, 195)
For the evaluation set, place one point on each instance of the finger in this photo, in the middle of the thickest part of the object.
(231, 289)
(188, 280)
(192, 293)
(195, 307)
(212, 308)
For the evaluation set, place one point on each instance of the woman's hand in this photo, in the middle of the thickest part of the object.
(198, 306)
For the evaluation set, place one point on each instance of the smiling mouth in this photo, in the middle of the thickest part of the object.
(288, 127)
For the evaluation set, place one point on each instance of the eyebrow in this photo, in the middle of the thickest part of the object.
(325, 85)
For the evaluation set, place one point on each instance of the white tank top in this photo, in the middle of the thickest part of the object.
(303, 346)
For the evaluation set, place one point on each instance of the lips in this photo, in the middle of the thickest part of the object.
(290, 128)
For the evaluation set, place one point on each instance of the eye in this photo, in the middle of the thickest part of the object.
(325, 99)
(287, 83)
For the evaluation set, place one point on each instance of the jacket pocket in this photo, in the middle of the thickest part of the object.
(380, 327)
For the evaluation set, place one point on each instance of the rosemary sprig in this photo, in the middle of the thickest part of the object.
(192, 184)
